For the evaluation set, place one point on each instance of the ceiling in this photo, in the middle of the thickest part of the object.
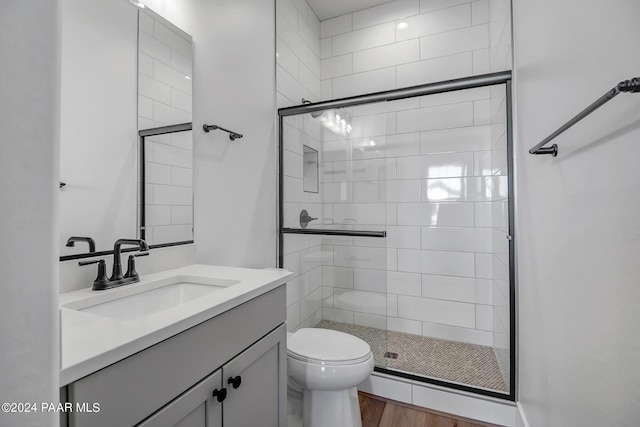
(326, 9)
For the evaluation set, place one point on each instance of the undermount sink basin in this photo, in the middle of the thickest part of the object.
(149, 298)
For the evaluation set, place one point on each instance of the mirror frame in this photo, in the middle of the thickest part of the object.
(163, 130)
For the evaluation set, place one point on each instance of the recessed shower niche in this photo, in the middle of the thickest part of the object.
(309, 169)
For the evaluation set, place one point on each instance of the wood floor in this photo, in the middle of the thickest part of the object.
(377, 412)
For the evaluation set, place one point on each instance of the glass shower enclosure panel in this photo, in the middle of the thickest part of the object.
(334, 222)
(395, 215)
(448, 237)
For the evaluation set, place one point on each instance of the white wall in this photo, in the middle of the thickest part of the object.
(579, 238)
(98, 126)
(29, 113)
(297, 77)
(234, 87)
(234, 182)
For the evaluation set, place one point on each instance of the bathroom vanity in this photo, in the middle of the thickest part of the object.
(214, 357)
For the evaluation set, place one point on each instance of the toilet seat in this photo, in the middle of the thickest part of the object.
(327, 347)
(328, 363)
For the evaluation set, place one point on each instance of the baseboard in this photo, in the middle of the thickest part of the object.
(441, 399)
(521, 421)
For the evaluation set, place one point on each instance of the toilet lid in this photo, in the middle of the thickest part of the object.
(326, 345)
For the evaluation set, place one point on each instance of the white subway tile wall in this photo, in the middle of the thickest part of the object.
(403, 43)
(422, 169)
(297, 53)
(164, 74)
(298, 76)
(169, 188)
(165, 98)
(419, 169)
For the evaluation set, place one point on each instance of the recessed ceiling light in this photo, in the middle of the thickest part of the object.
(402, 26)
(137, 3)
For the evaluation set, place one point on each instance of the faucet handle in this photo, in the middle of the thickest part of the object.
(100, 283)
(131, 265)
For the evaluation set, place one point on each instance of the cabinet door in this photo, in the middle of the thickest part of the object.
(256, 384)
(195, 408)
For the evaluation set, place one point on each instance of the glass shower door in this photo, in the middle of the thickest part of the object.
(334, 218)
(396, 217)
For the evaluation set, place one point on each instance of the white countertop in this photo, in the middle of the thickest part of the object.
(91, 342)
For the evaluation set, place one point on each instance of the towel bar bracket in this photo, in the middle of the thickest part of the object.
(553, 150)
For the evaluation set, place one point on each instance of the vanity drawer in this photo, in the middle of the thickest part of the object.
(132, 389)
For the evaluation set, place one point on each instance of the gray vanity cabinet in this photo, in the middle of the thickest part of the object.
(242, 351)
(256, 401)
(195, 408)
(250, 383)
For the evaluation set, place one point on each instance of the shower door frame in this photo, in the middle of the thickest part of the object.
(491, 79)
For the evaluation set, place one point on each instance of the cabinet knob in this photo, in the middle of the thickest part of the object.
(235, 381)
(220, 395)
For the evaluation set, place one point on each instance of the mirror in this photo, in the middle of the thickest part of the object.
(111, 89)
(165, 62)
(167, 186)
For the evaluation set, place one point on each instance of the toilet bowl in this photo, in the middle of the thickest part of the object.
(328, 365)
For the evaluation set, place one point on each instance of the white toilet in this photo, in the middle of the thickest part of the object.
(328, 365)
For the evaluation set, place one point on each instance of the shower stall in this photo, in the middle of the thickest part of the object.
(395, 213)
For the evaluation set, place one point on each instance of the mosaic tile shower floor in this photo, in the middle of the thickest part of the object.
(453, 361)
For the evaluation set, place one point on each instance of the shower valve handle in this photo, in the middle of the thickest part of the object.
(305, 219)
